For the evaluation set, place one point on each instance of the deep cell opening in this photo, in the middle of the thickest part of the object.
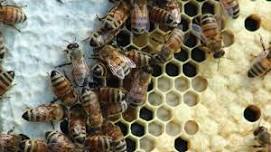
(146, 114)
(252, 113)
(181, 144)
(189, 69)
(198, 54)
(123, 38)
(191, 9)
(123, 128)
(208, 8)
(172, 69)
(131, 145)
(181, 56)
(137, 129)
(252, 22)
(190, 40)
(156, 70)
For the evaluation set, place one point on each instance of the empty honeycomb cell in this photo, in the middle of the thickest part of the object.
(131, 144)
(123, 38)
(228, 38)
(173, 128)
(156, 70)
(191, 127)
(181, 144)
(181, 83)
(191, 98)
(164, 113)
(173, 98)
(190, 40)
(140, 40)
(130, 114)
(155, 128)
(147, 143)
(172, 69)
(123, 127)
(191, 8)
(208, 7)
(155, 98)
(164, 83)
(198, 54)
(190, 69)
(150, 86)
(252, 22)
(137, 129)
(185, 22)
(182, 56)
(146, 114)
(199, 83)
(252, 113)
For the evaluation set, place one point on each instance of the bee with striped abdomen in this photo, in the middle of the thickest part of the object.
(33, 146)
(6, 79)
(63, 89)
(3, 48)
(140, 17)
(10, 142)
(91, 105)
(118, 63)
(11, 15)
(231, 7)
(161, 16)
(101, 37)
(262, 136)
(45, 113)
(140, 58)
(58, 142)
(80, 69)
(98, 143)
(99, 74)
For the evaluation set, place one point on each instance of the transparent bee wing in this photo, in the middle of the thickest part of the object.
(227, 10)
(116, 70)
(129, 62)
(197, 31)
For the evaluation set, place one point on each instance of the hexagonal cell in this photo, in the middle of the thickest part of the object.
(208, 7)
(157, 37)
(191, 8)
(228, 37)
(173, 98)
(252, 22)
(164, 83)
(156, 128)
(252, 113)
(182, 56)
(146, 114)
(150, 86)
(181, 144)
(156, 70)
(172, 69)
(181, 83)
(131, 144)
(147, 143)
(123, 127)
(191, 98)
(155, 98)
(123, 38)
(173, 128)
(164, 113)
(198, 54)
(137, 129)
(140, 40)
(190, 40)
(130, 114)
(190, 69)
(191, 127)
(199, 84)
(185, 22)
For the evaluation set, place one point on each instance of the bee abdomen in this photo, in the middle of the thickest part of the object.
(257, 69)
(120, 146)
(6, 79)
(12, 15)
(2, 48)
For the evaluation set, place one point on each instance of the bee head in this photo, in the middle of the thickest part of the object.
(11, 73)
(138, 30)
(24, 137)
(219, 54)
(54, 73)
(73, 46)
(96, 40)
(80, 138)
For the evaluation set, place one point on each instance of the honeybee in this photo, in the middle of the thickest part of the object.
(102, 37)
(98, 143)
(33, 146)
(99, 74)
(140, 17)
(2, 48)
(91, 105)
(10, 142)
(11, 15)
(262, 136)
(139, 86)
(141, 59)
(57, 141)
(172, 45)
(231, 7)
(209, 31)
(118, 141)
(6, 79)
(80, 69)
(116, 17)
(45, 113)
(63, 88)
(118, 63)
(262, 64)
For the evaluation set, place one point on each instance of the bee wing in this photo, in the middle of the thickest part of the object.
(228, 10)
(197, 31)
(128, 61)
(261, 56)
(116, 69)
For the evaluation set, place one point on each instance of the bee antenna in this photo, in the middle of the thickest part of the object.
(67, 41)
(261, 41)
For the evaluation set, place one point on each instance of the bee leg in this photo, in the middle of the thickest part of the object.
(13, 26)
(54, 100)
(52, 124)
(61, 65)
(60, 1)
(11, 130)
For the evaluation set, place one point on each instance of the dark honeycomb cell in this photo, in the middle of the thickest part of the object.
(252, 113)
(123, 38)
(146, 114)
(123, 128)
(131, 145)
(181, 145)
(113, 82)
(137, 129)
(190, 69)
(190, 40)
(198, 54)
(252, 22)
(191, 9)
(128, 24)
(150, 86)
(156, 70)
(184, 23)
(208, 7)
(200, 0)
(172, 69)
(182, 56)
(130, 114)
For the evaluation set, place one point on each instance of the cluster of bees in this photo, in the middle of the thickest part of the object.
(85, 102)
